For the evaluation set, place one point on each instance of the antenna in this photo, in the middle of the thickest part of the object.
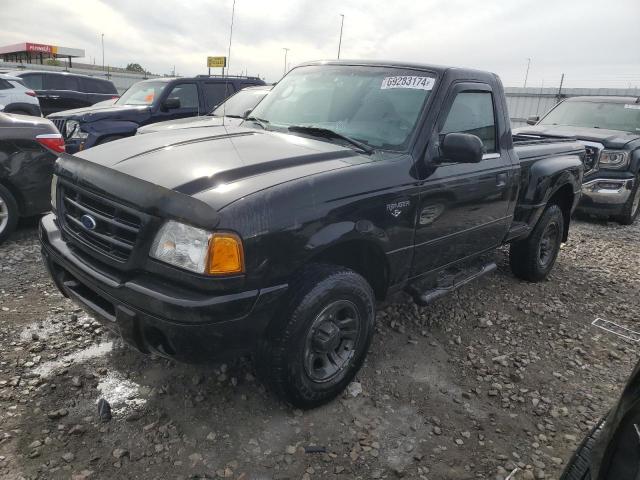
(226, 83)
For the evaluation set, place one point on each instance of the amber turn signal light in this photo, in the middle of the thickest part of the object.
(225, 254)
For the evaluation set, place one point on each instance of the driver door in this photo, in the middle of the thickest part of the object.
(187, 94)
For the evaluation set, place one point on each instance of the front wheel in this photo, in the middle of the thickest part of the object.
(8, 213)
(320, 337)
(533, 258)
(632, 207)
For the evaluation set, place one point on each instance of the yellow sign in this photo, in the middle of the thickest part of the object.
(216, 62)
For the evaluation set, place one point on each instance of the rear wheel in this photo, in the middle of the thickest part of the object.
(8, 213)
(533, 258)
(632, 207)
(321, 338)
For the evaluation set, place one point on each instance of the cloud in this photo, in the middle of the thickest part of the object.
(587, 40)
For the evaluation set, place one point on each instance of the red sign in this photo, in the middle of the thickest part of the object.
(39, 48)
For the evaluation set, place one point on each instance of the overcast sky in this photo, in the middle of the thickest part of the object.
(594, 42)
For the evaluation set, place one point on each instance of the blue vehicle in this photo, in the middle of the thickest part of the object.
(146, 102)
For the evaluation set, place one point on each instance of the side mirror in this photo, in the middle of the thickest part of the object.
(533, 120)
(461, 148)
(247, 112)
(171, 103)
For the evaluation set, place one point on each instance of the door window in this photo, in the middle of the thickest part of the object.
(61, 82)
(5, 85)
(187, 93)
(472, 112)
(33, 81)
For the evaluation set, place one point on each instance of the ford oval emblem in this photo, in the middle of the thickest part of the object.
(88, 222)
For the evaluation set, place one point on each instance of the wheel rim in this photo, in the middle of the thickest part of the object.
(331, 341)
(4, 214)
(636, 201)
(548, 243)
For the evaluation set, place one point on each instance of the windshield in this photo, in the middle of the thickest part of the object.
(242, 101)
(611, 116)
(143, 93)
(378, 106)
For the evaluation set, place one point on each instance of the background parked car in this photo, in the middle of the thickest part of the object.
(609, 127)
(15, 97)
(231, 112)
(59, 91)
(28, 147)
(145, 102)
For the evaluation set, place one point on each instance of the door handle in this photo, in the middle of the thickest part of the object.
(501, 180)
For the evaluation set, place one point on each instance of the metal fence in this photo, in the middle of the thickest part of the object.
(121, 79)
(526, 102)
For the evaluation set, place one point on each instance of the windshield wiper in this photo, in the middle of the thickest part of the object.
(260, 121)
(327, 133)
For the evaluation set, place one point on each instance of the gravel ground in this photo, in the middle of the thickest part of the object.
(500, 375)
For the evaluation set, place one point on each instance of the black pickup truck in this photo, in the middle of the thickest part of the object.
(348, 182)
(609, 127)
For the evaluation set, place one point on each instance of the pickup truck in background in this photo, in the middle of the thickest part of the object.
(609, 127)
(230, 112)
(350, 181)
(146, 102)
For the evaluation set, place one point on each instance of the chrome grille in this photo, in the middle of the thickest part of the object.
(59, 123)
(115, 227)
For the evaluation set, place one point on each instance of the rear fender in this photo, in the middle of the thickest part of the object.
(546, 177)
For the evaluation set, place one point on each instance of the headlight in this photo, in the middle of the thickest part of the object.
(613, 159)
(72, 130)
(54, 192)
(198, 250)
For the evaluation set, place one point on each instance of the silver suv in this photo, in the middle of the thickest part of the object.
(15, 97)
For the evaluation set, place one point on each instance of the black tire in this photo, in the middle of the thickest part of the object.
(579, 466)
(297, 357)
(111, 138)
(533, 258)
(632, 207)
(8, 213)
(20, 112)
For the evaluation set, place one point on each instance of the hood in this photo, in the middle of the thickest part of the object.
(191, 161)
(608, 138)
(192, 122)
(100, 112)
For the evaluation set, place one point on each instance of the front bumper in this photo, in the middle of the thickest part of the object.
(153, 321)
(606, 195)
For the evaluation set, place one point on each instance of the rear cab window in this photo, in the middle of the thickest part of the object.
(216, 92)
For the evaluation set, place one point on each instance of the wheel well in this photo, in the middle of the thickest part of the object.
(362, 257)
(16, 194)
(563, 197)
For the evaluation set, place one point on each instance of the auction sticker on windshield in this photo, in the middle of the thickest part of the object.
(633, 106)
(408, 81)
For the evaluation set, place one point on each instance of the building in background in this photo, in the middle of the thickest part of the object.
(38, 52)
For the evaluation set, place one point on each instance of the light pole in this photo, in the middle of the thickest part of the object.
(286, 50)
(526, 75)
(340, 41)
(103, 52)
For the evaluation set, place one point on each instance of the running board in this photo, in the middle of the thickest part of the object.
(427, 297)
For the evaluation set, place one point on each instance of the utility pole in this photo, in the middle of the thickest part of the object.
(103, 52)
(286, 50)
(526, 75)
(340, 41)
